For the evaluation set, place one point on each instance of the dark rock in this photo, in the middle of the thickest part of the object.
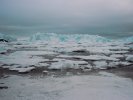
(3, 87)
(79, 51)
(3, 53)
(3, 40)
(26, 72)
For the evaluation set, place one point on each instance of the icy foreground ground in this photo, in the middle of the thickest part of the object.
(104, 86)
(61, 51)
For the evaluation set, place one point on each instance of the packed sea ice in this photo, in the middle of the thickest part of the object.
(69, 51)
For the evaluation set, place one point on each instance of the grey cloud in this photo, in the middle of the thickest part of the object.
(66, 15)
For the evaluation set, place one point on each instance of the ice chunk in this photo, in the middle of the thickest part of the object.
(100, 64)
(23, 58)
(7, 38)
(90, 57)
(23, 70)
(116, 56)
(2, 48)
(128, 40)
(64, 64)
(117, 63)
(129, 58)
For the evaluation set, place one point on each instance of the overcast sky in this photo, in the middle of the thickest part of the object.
(80, 16)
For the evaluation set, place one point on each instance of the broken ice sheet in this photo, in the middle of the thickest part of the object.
(22, 59)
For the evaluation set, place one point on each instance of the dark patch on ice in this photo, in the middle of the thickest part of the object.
(3, 53)
(3, 87)
(3, 40)
(79, 51)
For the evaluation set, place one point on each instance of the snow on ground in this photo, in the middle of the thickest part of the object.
(22, 70)
(105, 86)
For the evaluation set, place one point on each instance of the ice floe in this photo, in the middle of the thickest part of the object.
(64, 64)
(117, 56)
(117, 63)
(100, 64)
(129, 58)
(90, 57)
(22, 70)
(23, 58)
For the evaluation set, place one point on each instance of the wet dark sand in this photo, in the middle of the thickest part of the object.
(126, 72)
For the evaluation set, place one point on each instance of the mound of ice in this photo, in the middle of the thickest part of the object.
(64, 64)
(129, 40)
(129, 58)
(78, 38)
(7, 38)
(2, 48)
(100, 64)
(91, 57)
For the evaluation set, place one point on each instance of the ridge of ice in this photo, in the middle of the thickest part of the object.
(129, 58)
(63, 64)
(68, 38)
(7, 37)
(90, 57)
(100, 64)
